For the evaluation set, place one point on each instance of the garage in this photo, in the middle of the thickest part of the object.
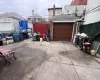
(62, 27)
(62, 31)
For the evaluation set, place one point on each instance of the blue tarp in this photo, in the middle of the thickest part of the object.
(1, 36)
(23, 25)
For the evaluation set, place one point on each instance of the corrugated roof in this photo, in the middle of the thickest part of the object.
(65, 18)
(12, 15)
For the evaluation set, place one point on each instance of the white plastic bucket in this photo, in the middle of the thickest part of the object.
(41, 40)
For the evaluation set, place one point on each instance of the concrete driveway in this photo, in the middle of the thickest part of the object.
(49, 61)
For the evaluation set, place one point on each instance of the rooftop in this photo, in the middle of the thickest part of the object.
(65, 18)
(37, 16)
(12, 15)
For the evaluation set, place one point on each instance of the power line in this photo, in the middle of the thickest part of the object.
(96, 10)
(92, 9)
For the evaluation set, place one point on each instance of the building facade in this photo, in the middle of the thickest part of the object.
(9, 22)
(54, 12)
(36, 18)
(74, 9)
(61, 28)
(79, 2)
(92, 12)
(91, 24)
(8, 25)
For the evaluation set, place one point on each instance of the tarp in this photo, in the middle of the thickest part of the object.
(92, 30)
(23, 25)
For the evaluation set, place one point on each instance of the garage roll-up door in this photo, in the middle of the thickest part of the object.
(62, 31)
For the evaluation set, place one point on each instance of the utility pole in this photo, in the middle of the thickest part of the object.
(32, 20)
(54, 10)
(32, 16)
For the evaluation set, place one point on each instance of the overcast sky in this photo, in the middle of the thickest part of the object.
(24, 7)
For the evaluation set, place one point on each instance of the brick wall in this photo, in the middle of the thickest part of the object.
(79, 2)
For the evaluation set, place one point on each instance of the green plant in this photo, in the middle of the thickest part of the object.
(48, 31)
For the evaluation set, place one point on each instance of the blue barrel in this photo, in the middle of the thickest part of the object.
(21, 37)
(16, 38)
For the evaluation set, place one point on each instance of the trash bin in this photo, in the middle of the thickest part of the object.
(34, 38)
(38, 37)
(4, 41)
(9, 39)
(16, 38)
(1, 43)
(77, 40)
(21, 37)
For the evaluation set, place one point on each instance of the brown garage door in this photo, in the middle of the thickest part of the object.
(62, 31)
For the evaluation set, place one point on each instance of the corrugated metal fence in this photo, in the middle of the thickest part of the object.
(41, 27)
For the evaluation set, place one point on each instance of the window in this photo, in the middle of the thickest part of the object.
(34, 19)
(39, 19)
(58, 12)
(67, 11)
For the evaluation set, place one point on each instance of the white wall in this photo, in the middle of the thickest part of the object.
(50, 14)
(5, 19)
(67, 9)
(57, 12)
(9, 25)
(92, 16)
(30, 25)
(6, 25)
(16, 26)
